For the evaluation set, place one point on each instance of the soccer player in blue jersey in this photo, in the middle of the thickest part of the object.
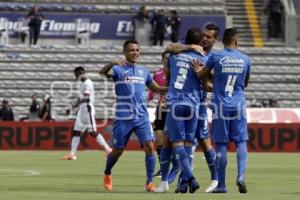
(231, 75)
(183, 98)
(209, 37)
(131, 109)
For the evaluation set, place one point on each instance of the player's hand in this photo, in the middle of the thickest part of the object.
(198, 49)
(197, 65)
(119, 61)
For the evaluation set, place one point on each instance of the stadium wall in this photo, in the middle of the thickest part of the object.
(264, 137)
(102, 26)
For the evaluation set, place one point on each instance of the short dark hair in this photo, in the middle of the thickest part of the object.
(174, 12)
(163, 54)
(79, 69)
(213, 26)
(229, 35)
(193, 36)
(129, 42)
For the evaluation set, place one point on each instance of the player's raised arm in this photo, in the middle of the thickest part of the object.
(107, 69)
(179, 48)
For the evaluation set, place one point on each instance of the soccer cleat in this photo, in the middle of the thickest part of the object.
(162, 188)
(212, 186)
(183, 186)
(157, 174)
(107, 182)
(150, 187)
(172, 175)
(69, 157)
(193, 185)
(242, 186)
(220, 190)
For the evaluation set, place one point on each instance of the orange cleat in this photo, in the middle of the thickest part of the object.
(69, 157)
(107, 182)
(150, 187)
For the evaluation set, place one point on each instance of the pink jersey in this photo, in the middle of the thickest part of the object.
(160, 78)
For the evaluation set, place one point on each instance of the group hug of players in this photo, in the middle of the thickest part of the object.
(191, 70)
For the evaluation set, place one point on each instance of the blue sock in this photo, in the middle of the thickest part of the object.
(189, 152)
(150, 167)
(165, 160)
(241, 156)
(210, 157)
(175, 169)
(221, 162)
(110, 162)
(184, 161)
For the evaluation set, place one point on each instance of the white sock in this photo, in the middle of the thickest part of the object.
(101, 141)
(74, 144)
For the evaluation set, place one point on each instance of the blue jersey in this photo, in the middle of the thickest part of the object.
(131, 95)
(231, 68)
(184, 83)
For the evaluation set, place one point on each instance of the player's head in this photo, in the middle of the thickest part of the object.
(33, 97)
(5, 103)
(78, 71)
(164, 58)
(230, 37)
(131, 51)
(193, 36)
(210, 35)
(173, 13)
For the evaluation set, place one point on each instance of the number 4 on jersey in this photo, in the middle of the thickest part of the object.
(230, 84)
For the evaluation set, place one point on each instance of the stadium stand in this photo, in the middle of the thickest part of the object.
(118, 6)
(25, 70)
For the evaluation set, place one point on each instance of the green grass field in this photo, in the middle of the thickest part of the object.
(40, 175)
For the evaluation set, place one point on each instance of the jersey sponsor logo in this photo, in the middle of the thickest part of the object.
(134, 79)
(232, 65)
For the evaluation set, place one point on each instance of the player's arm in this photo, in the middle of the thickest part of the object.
(157, 88)
(248, 73)
(107, 69)
(247, 80)
(179, 48)
(77, 103)
(201, 72)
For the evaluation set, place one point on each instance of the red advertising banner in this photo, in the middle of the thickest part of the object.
(279, 137)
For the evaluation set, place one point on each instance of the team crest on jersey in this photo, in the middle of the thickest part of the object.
(140, 72)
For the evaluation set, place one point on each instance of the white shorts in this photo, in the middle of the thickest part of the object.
(85, 119)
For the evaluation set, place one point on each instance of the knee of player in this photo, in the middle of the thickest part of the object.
(205, 144)
(149, 147)
(93, 134)
(76, 133)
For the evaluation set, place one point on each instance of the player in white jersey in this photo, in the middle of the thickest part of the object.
(85, 119)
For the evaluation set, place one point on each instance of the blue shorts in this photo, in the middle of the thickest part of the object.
(181, 122)
(229, 126)
(202, 124)
(122, 130)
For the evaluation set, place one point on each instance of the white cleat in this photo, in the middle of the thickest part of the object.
(212, 186)
(163, 187)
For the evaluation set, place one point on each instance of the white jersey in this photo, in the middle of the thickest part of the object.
(85, 119)
(87, 88)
